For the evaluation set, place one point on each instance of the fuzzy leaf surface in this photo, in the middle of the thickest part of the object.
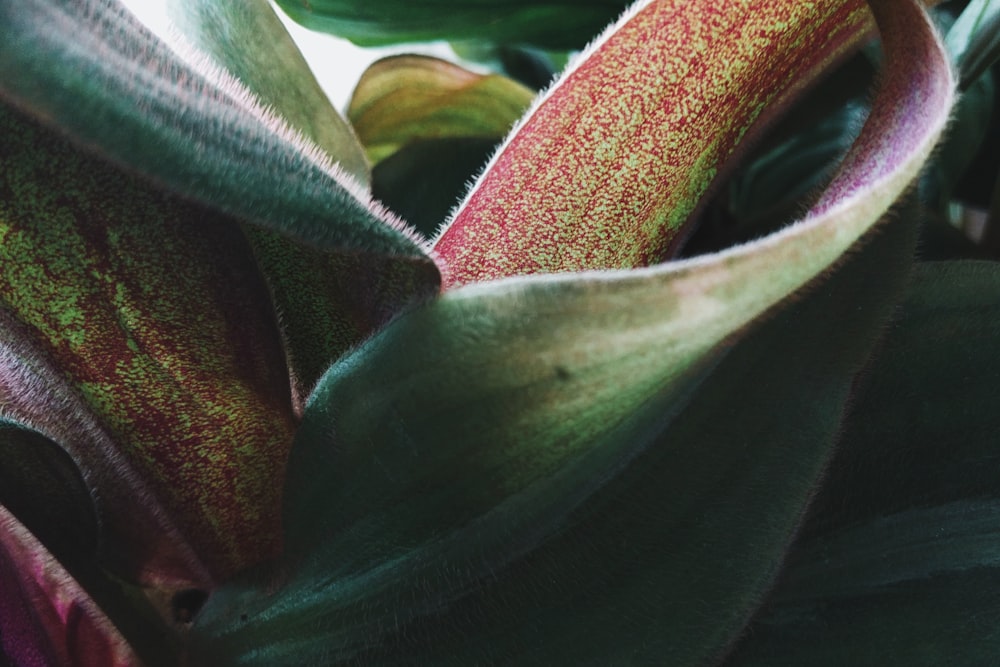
(136, 332)
(612, 161)
(247, 38)
(531, 494)
(657, 324)
(91, 69)
(899, 557)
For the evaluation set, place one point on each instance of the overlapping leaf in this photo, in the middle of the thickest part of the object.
(45, 617)
(477, 450)
(136, 333)
(328, 302)
(467, 541)
(608, 167)
(898, 560)
(403, 99)
(90, 68)
(552, 23)
(248, 39)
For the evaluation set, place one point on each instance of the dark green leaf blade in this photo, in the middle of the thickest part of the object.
(248, 39)
(425, 180)
(898, 557)
(445, 545)
(914, 588)
(92, 70)
(551, 23)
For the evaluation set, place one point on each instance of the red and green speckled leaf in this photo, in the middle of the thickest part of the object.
(328, 302)
(446, 473)
(402, 99)
(610, 164)
(46, 619)
(139, 336)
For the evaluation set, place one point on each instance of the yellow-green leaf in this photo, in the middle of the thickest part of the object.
(402, 99)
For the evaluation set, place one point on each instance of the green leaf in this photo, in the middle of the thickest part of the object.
(425, 180)
(90, 69)
(915, 588)
(402, 99)
(967, 134)
(608, 167)
(138, 335)
(898, 558)
(518, 484)
(551, 23)
(328, 303)
(768, 193)
(974, 40)
(248, 39)
(536, 68)
(930, 391)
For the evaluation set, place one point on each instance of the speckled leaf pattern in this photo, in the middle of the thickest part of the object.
(46, 619)
(91, 69)
(248, 39)
(137, 334)
(403, 99)
(627, 335)
(560, 24)
(612, 161)
(328, 303)
(561, 381)
(451, 542)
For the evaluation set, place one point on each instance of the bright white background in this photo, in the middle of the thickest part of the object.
(319, 50)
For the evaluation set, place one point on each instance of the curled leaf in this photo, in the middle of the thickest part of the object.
(439, 518)
(46, 618)
(138, 335)
(608, 167)
(403, 99)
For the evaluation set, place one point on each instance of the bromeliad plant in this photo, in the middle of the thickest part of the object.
(250, 416)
